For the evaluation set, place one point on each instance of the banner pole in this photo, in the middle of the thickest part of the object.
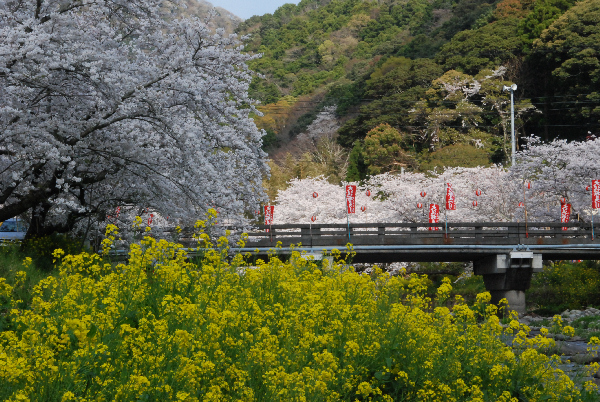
(592, 211)
(348, 221)
(525, 209)
(446, 210)
(353, 193)
(270, 223)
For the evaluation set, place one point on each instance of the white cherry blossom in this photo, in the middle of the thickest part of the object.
(107, 103)
(556, 170)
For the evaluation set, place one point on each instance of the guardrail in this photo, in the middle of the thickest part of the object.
(422, 233)
(387, 242)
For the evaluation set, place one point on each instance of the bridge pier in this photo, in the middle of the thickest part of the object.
(515, 298)
(508, 276)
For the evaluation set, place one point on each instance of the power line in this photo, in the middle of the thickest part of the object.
(443, 102)
(349, 97)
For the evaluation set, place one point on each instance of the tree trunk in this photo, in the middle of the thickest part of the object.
(38, 220)
(39, 227)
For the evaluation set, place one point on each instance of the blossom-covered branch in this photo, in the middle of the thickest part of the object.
(111, 100)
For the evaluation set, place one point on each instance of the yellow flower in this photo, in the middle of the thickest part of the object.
(443, 292)
(58, 254)
(111, 229)
(557, 320)
(27, 262)
(276, 330)
(137, 222)
(484, 297)
(352, 348)
(20, 278)
(364, 389)
(590, 387)
(568, 331)
(5, 288)
(22, 397)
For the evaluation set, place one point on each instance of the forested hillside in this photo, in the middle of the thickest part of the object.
(418, 83)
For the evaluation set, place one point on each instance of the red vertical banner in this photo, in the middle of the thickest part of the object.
(450, 198)
(351, 199)
(565, 214)
(434, 215)
(596, 194)
(269, 209)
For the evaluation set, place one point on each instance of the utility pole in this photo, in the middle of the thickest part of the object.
(512, 89)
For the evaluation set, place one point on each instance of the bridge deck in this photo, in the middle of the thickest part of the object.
(461, 241)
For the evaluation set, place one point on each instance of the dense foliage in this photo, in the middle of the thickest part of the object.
(383, 62)
(566, 285)
(160, 327)
(119, 103)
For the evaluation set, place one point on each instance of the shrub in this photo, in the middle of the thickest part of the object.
(162, 328)
(455, 155)
(565, 285)
(40, 248)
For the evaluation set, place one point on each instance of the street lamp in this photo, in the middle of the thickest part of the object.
(512, 89)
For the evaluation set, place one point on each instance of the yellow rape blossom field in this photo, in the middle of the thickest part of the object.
(162, 328)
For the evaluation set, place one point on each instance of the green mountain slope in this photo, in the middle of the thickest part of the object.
(317, 42)
(433, 70)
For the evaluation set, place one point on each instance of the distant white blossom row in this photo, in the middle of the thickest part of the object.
(557, 172)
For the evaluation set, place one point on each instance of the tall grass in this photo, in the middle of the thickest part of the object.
(20, 272)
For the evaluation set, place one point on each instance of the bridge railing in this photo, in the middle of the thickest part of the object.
(549, 237)
(386, 233)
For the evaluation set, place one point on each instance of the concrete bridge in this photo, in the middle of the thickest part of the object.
(504, 253)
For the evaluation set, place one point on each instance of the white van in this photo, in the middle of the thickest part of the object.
(12, 229)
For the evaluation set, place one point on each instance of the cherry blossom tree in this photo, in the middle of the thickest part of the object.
(107, 103)
(325, 124)
(556, 171)
(297, 203)
(402, 194)
(395, 198)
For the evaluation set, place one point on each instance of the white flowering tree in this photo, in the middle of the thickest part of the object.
(556, 171)
(297, 203)
(396, 198)
(455, 106)
(107, 103)
(402, 193)
(325, 124)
